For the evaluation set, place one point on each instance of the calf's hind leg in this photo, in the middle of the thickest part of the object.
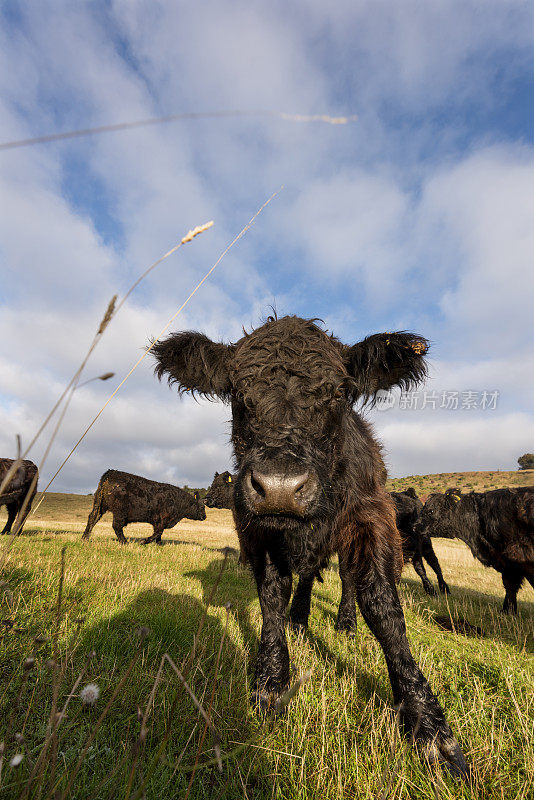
(346, 615)
(301, 603)
(377, 597)
(97, 512)
(12, 509)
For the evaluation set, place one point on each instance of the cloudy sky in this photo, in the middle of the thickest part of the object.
(419, 215)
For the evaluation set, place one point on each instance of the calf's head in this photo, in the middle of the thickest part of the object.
(439, 516)
(291, 387)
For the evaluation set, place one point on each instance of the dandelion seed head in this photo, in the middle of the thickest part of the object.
(90, 694)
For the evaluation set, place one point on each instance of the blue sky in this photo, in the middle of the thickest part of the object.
(419, 215)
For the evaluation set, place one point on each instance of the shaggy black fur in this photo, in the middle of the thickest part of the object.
(416, 544)
(131, 498)
(15, 492)
(221, 492)
(292, 388)
(497, 526)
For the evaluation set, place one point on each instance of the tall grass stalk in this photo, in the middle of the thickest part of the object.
(149, 348)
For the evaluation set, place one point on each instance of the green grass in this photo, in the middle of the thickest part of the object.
(338, 738)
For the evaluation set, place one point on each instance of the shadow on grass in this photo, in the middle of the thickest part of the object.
(238, 586)
(483, 617)
(173, 621)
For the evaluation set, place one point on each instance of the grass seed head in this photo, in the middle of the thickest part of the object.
(90, 694)
(108, 315)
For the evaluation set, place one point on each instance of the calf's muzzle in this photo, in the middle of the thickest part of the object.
(270, 491)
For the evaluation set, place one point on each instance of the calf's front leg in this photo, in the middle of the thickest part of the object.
(156, 536)
(273, 580)
(428, 552)
(419, 567)
(379, 603)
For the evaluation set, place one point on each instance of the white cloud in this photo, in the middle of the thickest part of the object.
(464, 443)
(368, 233)
(485, 205)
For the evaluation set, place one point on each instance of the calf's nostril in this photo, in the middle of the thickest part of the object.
(257, 486)
(303, 480)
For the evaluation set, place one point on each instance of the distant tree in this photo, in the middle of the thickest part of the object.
(526, 461)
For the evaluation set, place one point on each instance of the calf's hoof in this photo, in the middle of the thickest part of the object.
(429, 589)
(265, 702)
(448, 754)
(298, 628)
(509, 610)
(347, 626)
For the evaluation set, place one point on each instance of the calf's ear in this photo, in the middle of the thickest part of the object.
(195, 363)
(386, 360)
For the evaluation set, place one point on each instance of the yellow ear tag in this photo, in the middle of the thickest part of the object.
(456, 498)
(229, 479)
(419, 348)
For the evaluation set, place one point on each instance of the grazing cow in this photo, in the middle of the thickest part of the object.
(15, 493)
(221, 492)
(131, 498)
(416, 544)
(497, 526)
(310, 482)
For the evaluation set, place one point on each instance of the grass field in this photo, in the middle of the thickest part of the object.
(466, 481)
(338, 738)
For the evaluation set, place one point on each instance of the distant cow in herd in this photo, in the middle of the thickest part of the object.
(310, 481)
(15, 494)
(416, 543)
(131, 498)
(497, 526)
(221, 492)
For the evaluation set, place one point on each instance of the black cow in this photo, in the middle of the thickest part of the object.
(221, 492)
(310, 482)
(15, 494)
(497, 526)
(131, 498)
(416, 544)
